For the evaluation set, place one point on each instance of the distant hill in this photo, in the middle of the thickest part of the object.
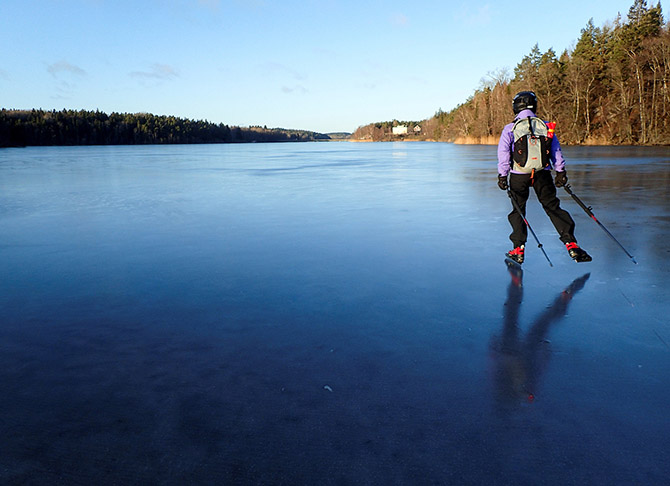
(20, 128)
(339, 135)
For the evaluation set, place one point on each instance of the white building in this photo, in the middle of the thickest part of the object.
(400, 130)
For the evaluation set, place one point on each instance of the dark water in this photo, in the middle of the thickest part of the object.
(330, 313)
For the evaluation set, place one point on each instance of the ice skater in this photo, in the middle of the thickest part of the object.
(527, 151)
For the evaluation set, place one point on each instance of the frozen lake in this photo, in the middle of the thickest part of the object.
(327, 313)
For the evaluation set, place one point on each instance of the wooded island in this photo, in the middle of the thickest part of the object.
(70, 127)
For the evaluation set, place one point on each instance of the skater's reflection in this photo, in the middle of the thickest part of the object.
(520, 360)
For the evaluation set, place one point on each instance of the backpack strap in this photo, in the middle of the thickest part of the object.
(530, 127)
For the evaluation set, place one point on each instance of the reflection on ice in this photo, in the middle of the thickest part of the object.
(519, 360)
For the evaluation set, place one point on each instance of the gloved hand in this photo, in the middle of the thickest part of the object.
(502, 182)
(561, 179)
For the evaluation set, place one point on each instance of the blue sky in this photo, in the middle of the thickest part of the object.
(323, 65)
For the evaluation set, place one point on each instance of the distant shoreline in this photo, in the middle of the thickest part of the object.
(493, 141)
(29, 128)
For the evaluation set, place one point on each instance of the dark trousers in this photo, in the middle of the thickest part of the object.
(545, 190)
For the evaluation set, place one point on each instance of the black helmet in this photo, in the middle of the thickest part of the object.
(524, 100)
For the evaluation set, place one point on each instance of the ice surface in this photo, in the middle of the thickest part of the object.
(327, 313)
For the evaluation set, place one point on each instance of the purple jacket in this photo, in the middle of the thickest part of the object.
(506, 145)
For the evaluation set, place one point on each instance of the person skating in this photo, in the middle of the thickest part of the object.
(527, 151)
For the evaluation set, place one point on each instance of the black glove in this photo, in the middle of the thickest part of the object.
(502, 182)
(561, 179)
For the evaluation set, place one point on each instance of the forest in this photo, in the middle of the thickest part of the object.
(20, 128)
(612, 87)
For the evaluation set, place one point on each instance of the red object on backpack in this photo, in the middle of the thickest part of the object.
(550, 129)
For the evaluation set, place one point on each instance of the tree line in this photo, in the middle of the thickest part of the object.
(613, 87)
(20, 128)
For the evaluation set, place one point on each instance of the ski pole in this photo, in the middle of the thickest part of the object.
(590, 213)
(518, 209)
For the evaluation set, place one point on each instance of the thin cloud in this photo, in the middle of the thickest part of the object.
(322, 51)
(157, 72)
(371, 68)
(64, 67)
(65, 76)
(64, 90)
(278, 68)
(399, 20)
(297, 89)
(478, 17)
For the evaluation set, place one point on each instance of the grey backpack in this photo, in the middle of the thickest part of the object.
(531, 144)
